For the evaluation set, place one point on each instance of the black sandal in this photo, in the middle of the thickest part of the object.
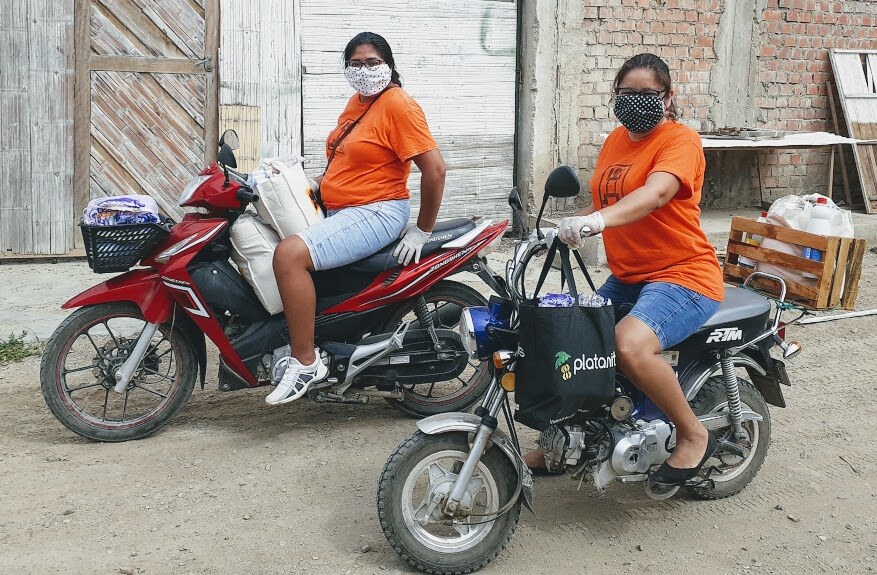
(669, 475)
(541, 471)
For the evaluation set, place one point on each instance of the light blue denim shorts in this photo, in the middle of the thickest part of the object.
(672, 311)
(351, 234)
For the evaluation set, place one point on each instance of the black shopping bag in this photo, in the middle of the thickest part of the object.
(568, 354)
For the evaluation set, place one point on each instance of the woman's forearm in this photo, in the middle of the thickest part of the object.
(432, 187)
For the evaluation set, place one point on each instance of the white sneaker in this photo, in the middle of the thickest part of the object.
(296, 380)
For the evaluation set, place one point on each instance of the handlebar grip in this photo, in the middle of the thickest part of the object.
(247, 195)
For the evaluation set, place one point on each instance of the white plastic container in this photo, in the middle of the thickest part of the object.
(819, 224)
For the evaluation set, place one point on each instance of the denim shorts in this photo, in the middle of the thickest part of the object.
(673, 312)
(351, 234)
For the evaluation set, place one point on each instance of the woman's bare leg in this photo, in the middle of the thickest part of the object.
(639, 357)
(292, 267)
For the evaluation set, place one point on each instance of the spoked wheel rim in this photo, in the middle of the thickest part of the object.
(442, 309)
(89, 359)
(732, 465)
(424, 492)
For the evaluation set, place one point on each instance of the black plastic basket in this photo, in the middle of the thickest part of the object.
(113, 249)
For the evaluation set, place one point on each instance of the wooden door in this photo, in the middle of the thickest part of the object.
(855, 73)
(145, 103)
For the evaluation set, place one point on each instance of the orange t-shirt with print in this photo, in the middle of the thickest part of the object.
(373, 162)
(668, 245)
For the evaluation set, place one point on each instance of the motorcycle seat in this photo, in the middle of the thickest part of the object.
(443, 232)
(739, 304)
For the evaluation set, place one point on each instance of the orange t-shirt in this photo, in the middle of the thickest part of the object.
(668, 245)
(373, 162)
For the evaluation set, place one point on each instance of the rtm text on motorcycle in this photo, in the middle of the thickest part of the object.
(123, 363)
(450, 496)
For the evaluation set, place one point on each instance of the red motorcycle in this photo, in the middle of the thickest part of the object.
(126, 361)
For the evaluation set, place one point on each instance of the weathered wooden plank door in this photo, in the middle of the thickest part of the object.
(855, 73)
(146, 106)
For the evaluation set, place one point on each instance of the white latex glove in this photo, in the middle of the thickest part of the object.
(413, 240)
(573, 230)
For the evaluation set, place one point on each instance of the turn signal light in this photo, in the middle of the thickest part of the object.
(498, 362)
(508, 381)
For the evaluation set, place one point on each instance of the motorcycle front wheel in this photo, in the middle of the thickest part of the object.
(445, 302)
(413, 487)
(77, 374)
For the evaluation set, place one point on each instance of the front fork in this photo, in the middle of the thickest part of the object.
(125, 373)
(479, 444)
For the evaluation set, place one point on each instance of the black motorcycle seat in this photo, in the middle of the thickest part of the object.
(442, 233)
(739, 304)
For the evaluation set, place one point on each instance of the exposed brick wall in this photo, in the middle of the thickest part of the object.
(793, 38)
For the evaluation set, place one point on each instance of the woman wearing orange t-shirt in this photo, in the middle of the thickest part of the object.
(364, 188)
(666, 280)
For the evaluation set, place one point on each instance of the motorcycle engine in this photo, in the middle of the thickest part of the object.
(275, 363)
(562, 446)
(634, 451)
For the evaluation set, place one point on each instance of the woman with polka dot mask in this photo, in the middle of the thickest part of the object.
(666, 281)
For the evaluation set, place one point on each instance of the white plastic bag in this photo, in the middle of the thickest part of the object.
(253, 243)
(285, 195)
(793, 212)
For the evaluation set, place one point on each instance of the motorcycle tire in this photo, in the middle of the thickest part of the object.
(434, 547)
(734, 473)
(77, 339)
(418, 401)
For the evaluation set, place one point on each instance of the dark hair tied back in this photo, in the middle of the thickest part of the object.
(656, 65)
(380, 45)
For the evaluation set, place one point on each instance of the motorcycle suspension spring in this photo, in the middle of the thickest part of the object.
(422, 312)
(732, 389)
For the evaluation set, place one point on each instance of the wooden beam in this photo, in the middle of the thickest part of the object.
(146, 65)
(81, 108)
(211, 104)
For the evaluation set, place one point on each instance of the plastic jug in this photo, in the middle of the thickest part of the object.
(820, 224)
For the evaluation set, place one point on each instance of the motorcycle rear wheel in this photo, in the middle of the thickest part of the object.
(734, 473)
(79, 364)
(423, 400)
(426, 465)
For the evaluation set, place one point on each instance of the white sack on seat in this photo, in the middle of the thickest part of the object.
(253, 243)
(285, 195)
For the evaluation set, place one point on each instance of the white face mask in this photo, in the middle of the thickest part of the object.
(369, 82)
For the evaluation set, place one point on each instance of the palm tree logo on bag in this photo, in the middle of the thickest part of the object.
(560, 362)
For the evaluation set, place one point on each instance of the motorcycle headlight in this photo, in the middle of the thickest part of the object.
(467, 332)
(190, 188)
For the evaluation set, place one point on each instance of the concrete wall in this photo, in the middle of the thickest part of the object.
(748, 63)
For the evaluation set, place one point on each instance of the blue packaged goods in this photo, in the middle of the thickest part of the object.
(556, 300)
(121, 210)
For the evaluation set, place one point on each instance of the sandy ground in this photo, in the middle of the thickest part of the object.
(233, 486)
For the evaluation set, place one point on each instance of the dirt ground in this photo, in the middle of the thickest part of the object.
(234, 486)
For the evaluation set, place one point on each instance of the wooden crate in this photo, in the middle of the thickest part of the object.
(837, 275)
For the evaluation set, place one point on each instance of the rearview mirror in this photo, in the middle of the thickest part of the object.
(230, 138)
(563, 182)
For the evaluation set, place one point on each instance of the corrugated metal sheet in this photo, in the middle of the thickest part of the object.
(260, 66)
(36, 159)
(456, 58)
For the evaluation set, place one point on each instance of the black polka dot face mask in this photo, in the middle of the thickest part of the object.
(639, 114)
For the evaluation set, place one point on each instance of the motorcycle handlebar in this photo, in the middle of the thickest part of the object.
(247, 195)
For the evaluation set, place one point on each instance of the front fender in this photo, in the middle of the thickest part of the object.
(459, 421)
(142, 287)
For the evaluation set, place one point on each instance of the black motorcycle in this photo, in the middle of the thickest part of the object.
(450, 496)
